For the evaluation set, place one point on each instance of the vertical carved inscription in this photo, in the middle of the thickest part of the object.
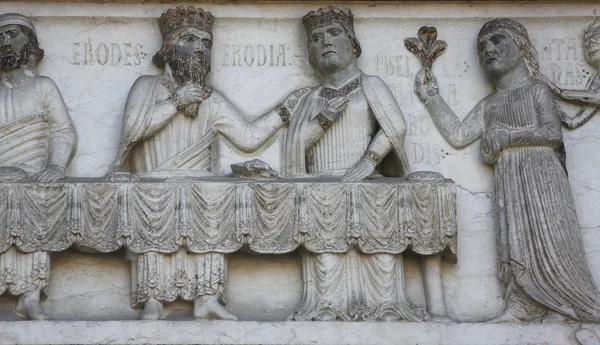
(566, 67)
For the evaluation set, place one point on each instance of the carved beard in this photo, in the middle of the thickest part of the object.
(189, 68)
(11, 60)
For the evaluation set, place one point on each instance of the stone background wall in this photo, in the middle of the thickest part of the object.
(95, 51)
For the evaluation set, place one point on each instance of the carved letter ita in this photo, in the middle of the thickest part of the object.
(90, 53)
(254, 55)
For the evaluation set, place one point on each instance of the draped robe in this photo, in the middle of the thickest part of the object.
(541, 253)
(181, 146)
(352, 285)
(35, 130)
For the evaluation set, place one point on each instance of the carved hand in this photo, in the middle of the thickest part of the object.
(190, 94)
(426, 85)
(500, 136)
(52, 173)
(334, 107)
(555, 89)
(359, 171)
(493, 140)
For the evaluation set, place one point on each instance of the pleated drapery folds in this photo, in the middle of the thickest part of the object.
(385, 215)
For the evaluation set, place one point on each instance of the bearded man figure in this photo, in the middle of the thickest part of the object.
(170, 126)
(37, 140)
(350, 126)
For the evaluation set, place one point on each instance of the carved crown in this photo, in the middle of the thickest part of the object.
(503, 24)
(182, 17)
(329, 15)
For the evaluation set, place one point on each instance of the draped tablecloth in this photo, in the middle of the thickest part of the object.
(384, 215)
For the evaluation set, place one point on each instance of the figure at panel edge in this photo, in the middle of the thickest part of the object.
(37, 140)
(349, 126)
(170, 125)
(541, 254)
(589, 98)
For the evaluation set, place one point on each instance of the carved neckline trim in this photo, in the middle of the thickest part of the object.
(330, 93)
(519, 83)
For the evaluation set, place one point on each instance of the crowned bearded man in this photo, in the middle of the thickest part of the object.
(170, 125)
(349, 126)
(37, 140)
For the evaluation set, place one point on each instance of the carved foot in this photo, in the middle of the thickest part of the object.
(553, 317)
(587, 337)
(29, 306)
(208, 307)
(153, 310)
(505, 317)
(325, 315)
(440, 318)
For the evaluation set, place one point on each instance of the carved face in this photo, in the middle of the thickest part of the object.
(330, 49)
(13, 48)
(190, 56)
(498, 54)
(591, 50)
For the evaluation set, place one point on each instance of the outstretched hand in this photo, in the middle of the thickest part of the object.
(555, 89)
(359, 171)
(426, 85)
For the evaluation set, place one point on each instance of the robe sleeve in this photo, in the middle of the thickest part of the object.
(62, 139)
(138, 113)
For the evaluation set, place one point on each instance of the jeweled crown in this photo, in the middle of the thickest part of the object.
(185, 17)
(329, 15)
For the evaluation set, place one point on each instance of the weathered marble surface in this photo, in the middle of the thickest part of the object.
(95, 90)
(280, 333)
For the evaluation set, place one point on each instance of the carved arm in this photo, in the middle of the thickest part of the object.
(62, 139)
(457, 133)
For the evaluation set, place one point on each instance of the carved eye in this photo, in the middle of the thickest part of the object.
(316, 37)
(13, 33)
(335, 31)
(207, 43)
(497, 39)
(190, 38)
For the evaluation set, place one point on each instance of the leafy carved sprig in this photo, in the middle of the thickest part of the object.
(425, 46)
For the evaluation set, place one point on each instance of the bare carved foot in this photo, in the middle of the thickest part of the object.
(440, 318)
(29, 306)
(325, 315)
(153, 310)
(208, 307)
(505, 317)
(553, 317)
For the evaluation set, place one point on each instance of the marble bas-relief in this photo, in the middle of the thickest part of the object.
(170, 126)
(541, 254)
(590, 98)
(37, 140)
(349, 126)
(329, 200)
